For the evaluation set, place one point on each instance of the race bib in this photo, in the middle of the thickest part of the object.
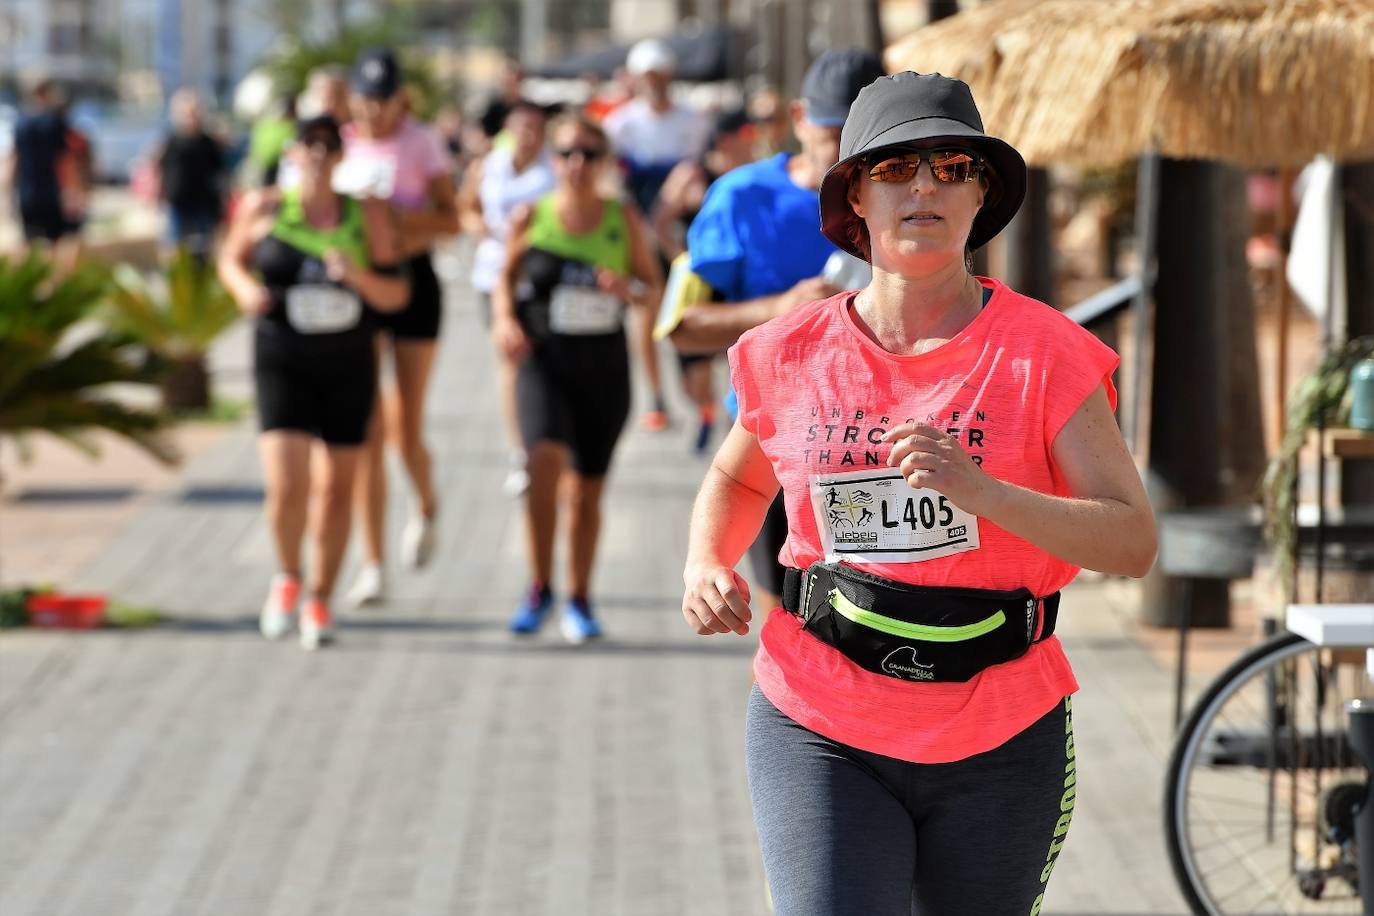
(583, 310)
(320, 309)
(876, 517)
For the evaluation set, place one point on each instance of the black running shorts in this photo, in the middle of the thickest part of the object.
(323, 385)
(576, 390)
(419, 320)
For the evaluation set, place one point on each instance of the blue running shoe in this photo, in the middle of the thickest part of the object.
(578, 624)
(529, 616)
(703, 436)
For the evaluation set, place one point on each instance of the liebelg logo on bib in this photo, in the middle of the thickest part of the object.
(876, 516)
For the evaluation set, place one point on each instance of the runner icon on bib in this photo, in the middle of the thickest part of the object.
(875, 516)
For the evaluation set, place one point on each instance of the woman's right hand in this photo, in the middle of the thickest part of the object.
(257, 302)
(511, 340)
(716, 601)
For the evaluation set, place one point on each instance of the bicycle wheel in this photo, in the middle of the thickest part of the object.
(1258, 800)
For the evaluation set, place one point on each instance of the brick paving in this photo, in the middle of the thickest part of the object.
(429, 764)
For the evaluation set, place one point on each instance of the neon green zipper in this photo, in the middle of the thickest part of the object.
(852, 611)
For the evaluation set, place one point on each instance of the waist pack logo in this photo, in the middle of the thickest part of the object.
(902, 663)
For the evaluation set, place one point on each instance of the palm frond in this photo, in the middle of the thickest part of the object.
(178, 314)
(55, 362)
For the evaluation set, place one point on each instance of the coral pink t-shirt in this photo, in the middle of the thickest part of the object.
(819, 394)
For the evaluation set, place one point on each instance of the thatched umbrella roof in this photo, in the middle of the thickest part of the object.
(1253, 82)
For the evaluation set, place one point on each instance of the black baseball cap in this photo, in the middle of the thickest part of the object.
(833, 82)
(376, 74)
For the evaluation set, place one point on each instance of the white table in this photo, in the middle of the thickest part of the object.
(1336, 625)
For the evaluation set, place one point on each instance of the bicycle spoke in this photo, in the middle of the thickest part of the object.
(1251, 781)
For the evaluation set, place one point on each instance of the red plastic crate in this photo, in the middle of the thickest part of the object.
(79, 612)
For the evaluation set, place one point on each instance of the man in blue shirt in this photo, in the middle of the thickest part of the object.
(756, 249)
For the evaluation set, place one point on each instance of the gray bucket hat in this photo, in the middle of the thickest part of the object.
(906, 108)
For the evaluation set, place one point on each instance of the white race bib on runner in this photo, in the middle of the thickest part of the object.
(582, 310)
(874, 516)
(316, 308)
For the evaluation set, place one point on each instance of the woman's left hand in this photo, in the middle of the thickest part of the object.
(338, 266)
(930, 457)
(608, 281)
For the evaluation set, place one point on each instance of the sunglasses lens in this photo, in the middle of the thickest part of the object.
(951, 165)
(947, 165)
(591, 155)
(894, 168)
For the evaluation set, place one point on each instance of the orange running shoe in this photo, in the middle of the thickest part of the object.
(280, 607)
(317, 626)
(653, 421)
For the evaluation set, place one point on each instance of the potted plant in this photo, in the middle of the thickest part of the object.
(1318, 401)
(177, 315)
(55, 363)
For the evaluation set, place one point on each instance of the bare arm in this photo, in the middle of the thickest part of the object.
(420, 229)
(728, 513)
(470, 201)
(708, 327)
(1106, 525)
(383, 239)
(670, 207)
(383, 292)
(511, 341)
(643, 264)
(245, 229)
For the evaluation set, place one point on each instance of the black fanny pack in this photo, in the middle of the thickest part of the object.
(916, 632)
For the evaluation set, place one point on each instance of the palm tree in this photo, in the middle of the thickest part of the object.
(177, 320)
(55, 362)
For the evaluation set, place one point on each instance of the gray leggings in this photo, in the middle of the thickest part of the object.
(849, 833)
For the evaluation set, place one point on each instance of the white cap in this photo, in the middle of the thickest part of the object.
(651, 56)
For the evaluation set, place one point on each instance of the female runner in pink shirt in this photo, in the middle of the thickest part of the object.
(390, 156)
(949, 460)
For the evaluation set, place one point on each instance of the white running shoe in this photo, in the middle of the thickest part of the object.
(417, 541)
(317, 626)
(517, 476)
(516, 483)
(369, 588)
(280, 607)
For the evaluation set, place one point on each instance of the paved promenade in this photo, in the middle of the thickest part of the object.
(431, 765)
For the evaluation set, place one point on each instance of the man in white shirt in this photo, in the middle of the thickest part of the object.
(650, 133)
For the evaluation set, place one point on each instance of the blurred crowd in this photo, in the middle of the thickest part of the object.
(323, 217)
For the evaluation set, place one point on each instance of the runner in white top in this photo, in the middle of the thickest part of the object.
(652, 135)
(495, 187)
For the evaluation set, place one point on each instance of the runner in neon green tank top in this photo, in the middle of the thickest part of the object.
(306, 264)
(573, 264)
(605, 246)
(348, 235)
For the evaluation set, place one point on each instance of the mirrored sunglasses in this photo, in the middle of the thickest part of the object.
(950, 165)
